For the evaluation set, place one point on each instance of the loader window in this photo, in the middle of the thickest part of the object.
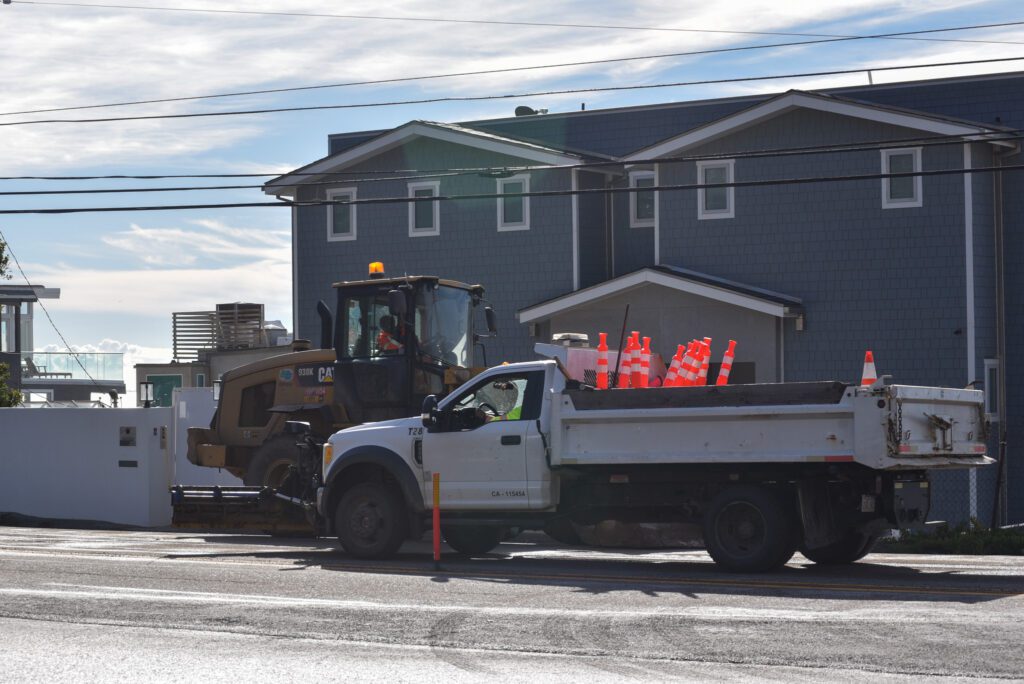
(443, 319)
(254, 410)
(370, 329)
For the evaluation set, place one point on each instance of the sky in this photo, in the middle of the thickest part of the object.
(122, 274)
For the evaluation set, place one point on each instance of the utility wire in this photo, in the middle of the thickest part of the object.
(499, 171)
(901, 35)
(74, 354)
(489, 22)
(480, 98)
(547, 193)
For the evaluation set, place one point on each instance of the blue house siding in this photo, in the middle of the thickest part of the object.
(594, 245)
(518, 268)
(1013, 222)
(889, 280)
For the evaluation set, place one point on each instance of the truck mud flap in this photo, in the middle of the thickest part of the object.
(257, 509)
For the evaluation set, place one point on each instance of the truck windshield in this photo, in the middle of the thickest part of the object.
(443, 325)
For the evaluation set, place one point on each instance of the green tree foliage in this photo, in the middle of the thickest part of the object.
(4, 263)
(8, 397)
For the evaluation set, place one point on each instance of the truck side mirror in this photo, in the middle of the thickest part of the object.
(428, 413)
(492, 325)
(396, 303)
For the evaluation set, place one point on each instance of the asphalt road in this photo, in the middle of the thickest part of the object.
(140, 606)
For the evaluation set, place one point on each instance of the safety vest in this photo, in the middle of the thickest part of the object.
(385, 342)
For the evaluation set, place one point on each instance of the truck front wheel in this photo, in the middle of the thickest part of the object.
(370, 521)
(473, 541)
(850, 548)
(749, 529)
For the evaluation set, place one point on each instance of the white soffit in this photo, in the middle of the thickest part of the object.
(795, 100)
(649, 277)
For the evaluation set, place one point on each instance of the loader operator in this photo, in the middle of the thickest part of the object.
(388, 339)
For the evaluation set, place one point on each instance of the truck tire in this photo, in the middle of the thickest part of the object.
(851, 548)
(370, 521)
(270, 462)
(473, 541)
(749, 529)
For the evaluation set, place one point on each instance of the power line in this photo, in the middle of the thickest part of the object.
(905, 35)
(490, 22)
(546, 193)
(74, 354)
(412, 174)
(479, 98)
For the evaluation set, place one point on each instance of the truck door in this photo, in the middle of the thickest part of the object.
(482, 455)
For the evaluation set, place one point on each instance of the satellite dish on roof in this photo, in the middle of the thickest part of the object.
(523, 110)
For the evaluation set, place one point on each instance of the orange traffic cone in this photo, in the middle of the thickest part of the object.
(645, 363)
(726, 367)
(602, 362)
(673, 369)
(625, 365)
(702, 377)
(634, 362)
(869, 375)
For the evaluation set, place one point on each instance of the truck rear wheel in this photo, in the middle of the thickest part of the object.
(749, 529)
(850, 548)
(370, 521)
(270, 463)
(473, 541)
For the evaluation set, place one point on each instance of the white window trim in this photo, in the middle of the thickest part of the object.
(435, 186)
(333, 194)
(730, 210)
(503, 226)
(918, 197)
(990, 365)
(634, 221)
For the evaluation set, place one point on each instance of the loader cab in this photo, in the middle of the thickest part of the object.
(398, 340)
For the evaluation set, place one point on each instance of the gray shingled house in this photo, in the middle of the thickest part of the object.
(772, 220)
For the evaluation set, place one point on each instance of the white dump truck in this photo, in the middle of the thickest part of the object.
(765, 469)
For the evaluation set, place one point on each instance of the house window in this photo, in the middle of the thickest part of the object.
(641, 202)
(513, 207)
(992, 389)
(341, 218)
(904, 191)
(200, 379)
(714, 203)
(424, 212)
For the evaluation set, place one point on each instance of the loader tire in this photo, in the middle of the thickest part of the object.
(370, 521)
(850, 548)
(270, 463)
(473, 541)
(749, 529)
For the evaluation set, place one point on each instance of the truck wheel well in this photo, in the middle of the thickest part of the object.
(358, 473)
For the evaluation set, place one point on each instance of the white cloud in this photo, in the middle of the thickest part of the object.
(216, 242)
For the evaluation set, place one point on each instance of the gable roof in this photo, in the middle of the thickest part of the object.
(679, 279)
(797, 99)
(452, 133)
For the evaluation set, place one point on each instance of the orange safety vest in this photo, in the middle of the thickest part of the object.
(385, 342)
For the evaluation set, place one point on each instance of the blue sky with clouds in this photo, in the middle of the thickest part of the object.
(122, 274)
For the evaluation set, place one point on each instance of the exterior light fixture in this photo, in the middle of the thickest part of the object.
(146, 394)
(216, 390)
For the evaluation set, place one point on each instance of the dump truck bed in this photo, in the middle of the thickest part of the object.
(887, 427)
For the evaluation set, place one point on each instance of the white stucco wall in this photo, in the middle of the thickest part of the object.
(69, 463)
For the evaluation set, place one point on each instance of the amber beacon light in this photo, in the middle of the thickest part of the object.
(376, 269)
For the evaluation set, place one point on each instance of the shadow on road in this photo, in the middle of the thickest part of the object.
(602, 571)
